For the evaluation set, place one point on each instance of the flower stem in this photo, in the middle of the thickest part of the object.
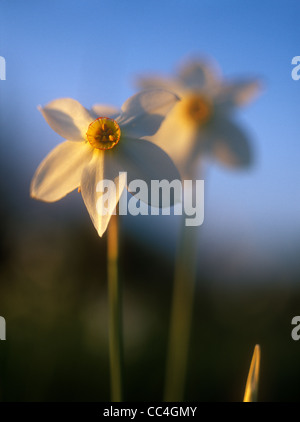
(115, 312)
(181, 315)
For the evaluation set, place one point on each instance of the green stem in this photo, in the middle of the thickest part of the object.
(181, 315)
(115, 313)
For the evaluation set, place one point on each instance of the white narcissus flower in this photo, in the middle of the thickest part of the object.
(103, 144)
(201, 124)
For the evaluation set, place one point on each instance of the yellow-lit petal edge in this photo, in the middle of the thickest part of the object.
(251, 389)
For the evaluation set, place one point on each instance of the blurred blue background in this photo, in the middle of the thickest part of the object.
(92, 51)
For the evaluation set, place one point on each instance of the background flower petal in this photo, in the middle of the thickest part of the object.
(101, 167)
(199, 74)
(238, 93)
(145, 161)
(159, 82)
(68, 118)
(176, 136)
(225, 142)
(60, 172)
(143, 113)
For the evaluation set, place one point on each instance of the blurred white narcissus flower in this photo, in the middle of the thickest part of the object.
(100, 148)
(201, 123)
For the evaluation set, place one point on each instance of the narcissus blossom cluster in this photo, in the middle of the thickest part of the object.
(159, 133)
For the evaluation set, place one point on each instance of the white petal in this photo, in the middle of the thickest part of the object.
(61, 170)
(226, 142)
(102, 167)
(159, 82)
(68, 118)
(238, 93)
(103, 110)
(176, 137)
(143, 113)
(145, 161)
(199, 74)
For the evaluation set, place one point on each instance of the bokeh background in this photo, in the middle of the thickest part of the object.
(53, 291)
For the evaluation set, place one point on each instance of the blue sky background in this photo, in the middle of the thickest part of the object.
(92, 50)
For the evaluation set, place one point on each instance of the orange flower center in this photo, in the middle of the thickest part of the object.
(103, 133)
(198, 108)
